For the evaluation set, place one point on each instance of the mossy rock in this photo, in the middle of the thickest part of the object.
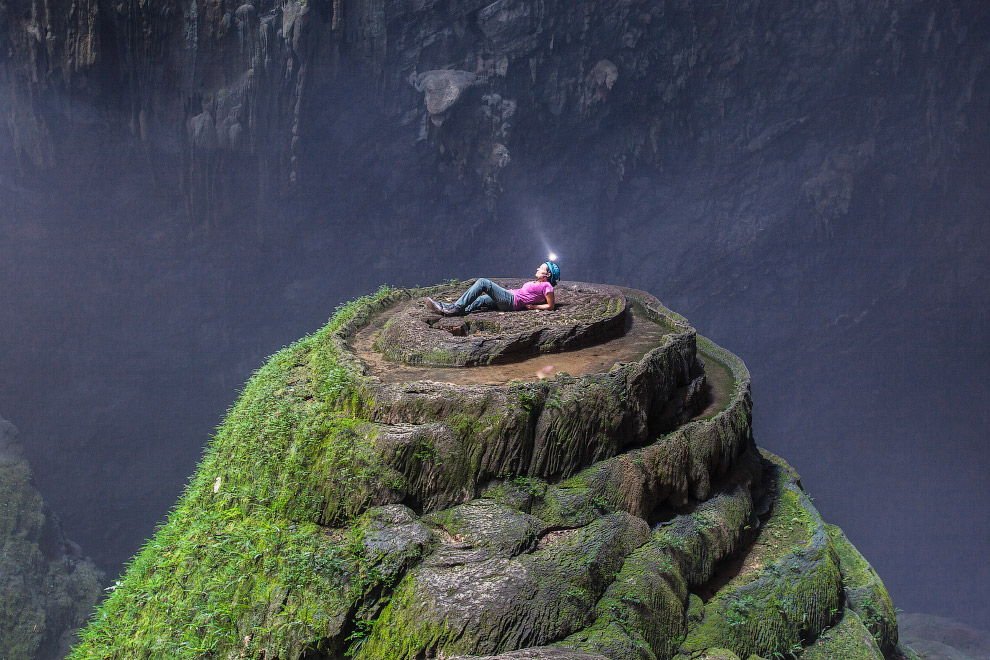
(849, 640)
(788, 587)
(440, 442)
(337, 514)
(643, 612)
(718, 654)
(460, 601)
(585, 314)
(539, 653)
(865, 593)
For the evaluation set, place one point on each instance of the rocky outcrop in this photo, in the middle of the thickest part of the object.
(585, 314)
(684, 143)
(589, 515)
(47, 588)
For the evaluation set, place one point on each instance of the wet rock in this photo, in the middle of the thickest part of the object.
(585, 314)
(487, 524)
(203, 132)
(543, 653)
(443, 88)
(482, 606)
(537, 520)
(865, 593)
(849, 639)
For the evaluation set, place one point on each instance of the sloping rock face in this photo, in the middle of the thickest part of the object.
(617, 514)
(47, 588)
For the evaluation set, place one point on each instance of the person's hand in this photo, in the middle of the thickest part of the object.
(531, 306)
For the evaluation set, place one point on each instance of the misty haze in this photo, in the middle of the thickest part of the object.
(187, 188)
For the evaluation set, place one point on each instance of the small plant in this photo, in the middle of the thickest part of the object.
(362, 628)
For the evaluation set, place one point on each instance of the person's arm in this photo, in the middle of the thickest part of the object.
(547, 305)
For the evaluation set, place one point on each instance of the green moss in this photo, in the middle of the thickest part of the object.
(645, 611)
(737, 367)
(849, 640)
(22, 617)
(43, 593)
(242, 563)
(398, 632)
(21, 509)
(719, 376)
(511, 603)
(865, 592)
(788, 588)
(268, 551)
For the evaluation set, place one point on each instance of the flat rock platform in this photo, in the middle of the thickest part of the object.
(585, 314)
(642, 334)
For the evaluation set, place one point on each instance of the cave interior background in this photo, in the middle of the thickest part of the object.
(820, 218)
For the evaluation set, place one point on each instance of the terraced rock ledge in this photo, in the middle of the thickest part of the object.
(599, 496)
(585, 314)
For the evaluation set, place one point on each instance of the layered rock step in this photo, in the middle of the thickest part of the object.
(584, 314)
(600, 495)
(441, 441)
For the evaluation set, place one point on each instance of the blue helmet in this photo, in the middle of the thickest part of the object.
(554, 272)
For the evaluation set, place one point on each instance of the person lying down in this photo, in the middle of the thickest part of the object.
(484, 295)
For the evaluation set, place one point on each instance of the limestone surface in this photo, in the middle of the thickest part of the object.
(584, 314)
(617, 514)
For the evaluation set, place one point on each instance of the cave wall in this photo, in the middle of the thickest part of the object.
(47, 587)
(597, 102)
(791, 176)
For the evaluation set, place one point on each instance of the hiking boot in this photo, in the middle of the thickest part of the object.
(445, 308)
(434, 305)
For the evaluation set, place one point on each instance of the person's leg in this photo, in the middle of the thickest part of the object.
(482, 303)
(503, 298)
(469, 296)
(499, 297)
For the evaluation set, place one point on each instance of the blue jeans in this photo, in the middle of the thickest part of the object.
(485, 294)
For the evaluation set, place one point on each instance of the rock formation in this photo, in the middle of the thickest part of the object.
(47, 589)
(666, 136)
(351, 506)
(252, 96)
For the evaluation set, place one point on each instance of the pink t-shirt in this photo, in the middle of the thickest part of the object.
(531, 293)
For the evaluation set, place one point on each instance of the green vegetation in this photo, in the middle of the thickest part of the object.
(243, 563)
(290, 538)
(788, 589)
(865, 592)
(551, 592)
(44, 593)
(22, 618)
(849, 640)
